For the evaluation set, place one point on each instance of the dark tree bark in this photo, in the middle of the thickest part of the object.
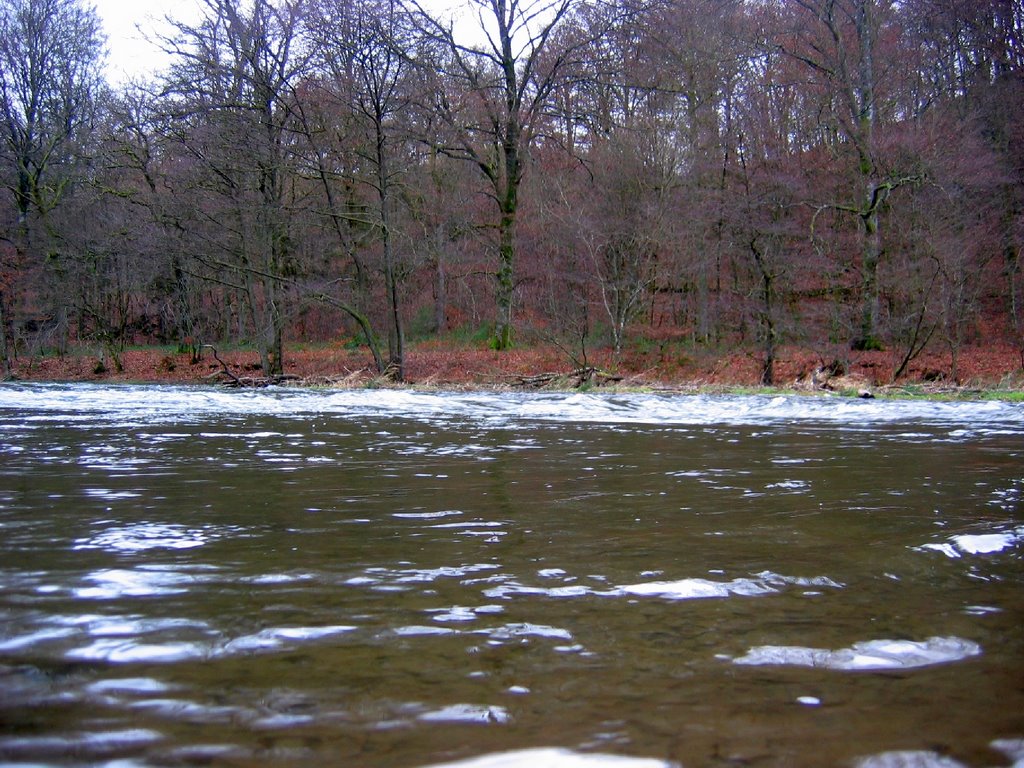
(50, 57)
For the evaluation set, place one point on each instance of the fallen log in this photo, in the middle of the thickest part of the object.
(575, 378)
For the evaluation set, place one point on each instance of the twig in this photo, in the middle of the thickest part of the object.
(226, 371)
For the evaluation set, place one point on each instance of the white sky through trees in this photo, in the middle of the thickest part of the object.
(128, 23)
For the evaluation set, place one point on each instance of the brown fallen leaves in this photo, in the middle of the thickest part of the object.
(452, 365)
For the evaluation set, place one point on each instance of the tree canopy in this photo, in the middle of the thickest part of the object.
(842, 174)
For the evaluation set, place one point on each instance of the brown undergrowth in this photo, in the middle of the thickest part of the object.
(445, 364)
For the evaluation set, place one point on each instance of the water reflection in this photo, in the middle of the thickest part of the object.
(277, 637)
(145, 535)
(908, 759)
(978, 543)
(869, 655)
(90, 744)
(144, 581)
(689, 589)
(189, 576)
(554, 758)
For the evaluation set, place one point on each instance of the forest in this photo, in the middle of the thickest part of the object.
(835, 174)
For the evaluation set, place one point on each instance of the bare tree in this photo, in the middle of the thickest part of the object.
(364, 46)
(763, 223)
(838, 40)
(51, 52)
(624, 220)
(135, 151)
(493, 97)
(234, 80)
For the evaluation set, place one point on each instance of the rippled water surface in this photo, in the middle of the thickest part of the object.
(376, 578)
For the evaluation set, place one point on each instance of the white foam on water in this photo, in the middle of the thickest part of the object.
(554, 758)
(141, 404)
(866, 656)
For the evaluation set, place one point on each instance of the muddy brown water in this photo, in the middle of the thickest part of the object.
(400, 579)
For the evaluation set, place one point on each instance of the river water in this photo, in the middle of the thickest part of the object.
(190, 576)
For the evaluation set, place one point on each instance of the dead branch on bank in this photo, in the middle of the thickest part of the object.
(229, 379)
(225, 371)
(574, 379)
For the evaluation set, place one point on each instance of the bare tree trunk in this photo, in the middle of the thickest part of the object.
(440, 285)
(856, 85)
(1011, 255)
(863, 119)
(507, 188)
(5, 347)
(275, 349)
(871, 253)
(505, 281)
(770, 335)
(396, 337)
(512, 78)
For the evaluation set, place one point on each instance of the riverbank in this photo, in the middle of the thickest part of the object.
(660, 366)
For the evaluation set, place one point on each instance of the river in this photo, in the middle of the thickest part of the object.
(401, 579)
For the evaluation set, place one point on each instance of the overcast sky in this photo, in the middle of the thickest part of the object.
(127, 22)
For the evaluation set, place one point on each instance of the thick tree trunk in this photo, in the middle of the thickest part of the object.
(505, 281)
(508, 202)
(269, 325)
(275, 349)
(871, 254)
